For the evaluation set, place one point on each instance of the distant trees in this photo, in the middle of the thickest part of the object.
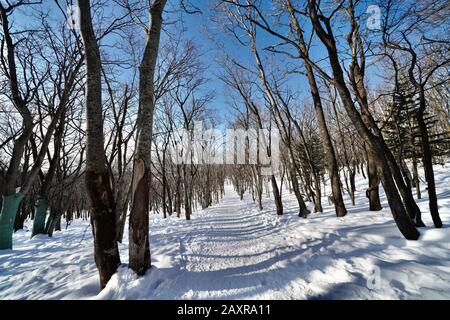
(345, 84)
(424, 57)
(31, 75)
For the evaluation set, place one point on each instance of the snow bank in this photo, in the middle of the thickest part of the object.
(233, 251)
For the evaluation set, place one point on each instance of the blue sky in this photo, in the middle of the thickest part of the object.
(207, 34)
(202, 29)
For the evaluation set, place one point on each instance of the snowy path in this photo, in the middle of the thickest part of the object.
(234, 251)
(231, 253)
(228, 252)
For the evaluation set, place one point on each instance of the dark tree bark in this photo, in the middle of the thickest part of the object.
(416, 180)
(103, 219)
(139, 246)
(187, 192)
(373, 192)
(303, 210)
(277, 196)
(428, 160)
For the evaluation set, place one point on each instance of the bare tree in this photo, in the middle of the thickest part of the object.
(20, 94)
(419, 72)
(139, 247)
(364, 123)
(103, 215)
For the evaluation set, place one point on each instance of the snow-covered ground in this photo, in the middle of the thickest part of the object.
(233, 251)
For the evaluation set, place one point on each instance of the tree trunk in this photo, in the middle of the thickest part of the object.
(303, 210)
(362, 170)
(373, 192)
(122, 200)
(187, 195)
(352, 174)
(55, 213)
(97, 178)
(58, 223)
(21, 216)
(139, 246)
(42, 202)
(277, 196)
(416, 179)
(169, 202)
(330, 155)
(10, 206)
(39, 217)
(318, 193)
(428, 163)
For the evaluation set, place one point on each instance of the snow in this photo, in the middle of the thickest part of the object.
(233, 251)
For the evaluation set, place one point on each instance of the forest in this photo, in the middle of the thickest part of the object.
(224, 149)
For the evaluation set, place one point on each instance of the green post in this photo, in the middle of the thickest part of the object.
(39, 217)
(10, 207)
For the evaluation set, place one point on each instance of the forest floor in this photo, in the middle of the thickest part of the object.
(234, 251)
